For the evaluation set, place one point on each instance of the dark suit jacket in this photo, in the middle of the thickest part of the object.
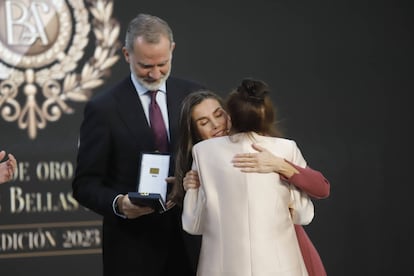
(113, 134)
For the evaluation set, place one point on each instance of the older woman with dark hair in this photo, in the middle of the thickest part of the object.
(203, 117)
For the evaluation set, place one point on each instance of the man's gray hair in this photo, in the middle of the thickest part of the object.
(149, 27)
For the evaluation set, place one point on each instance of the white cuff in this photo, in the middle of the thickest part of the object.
(115, 209)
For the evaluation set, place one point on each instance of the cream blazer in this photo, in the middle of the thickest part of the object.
(245, 219)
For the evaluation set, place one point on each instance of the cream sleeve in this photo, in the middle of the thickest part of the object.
(301, 207)
(193, 205)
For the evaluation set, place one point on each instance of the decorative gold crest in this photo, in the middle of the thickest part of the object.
(42, 43)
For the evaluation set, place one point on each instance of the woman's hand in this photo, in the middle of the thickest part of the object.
(191, 180)
(262, 162)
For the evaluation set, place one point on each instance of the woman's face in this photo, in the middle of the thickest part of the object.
(210, 119)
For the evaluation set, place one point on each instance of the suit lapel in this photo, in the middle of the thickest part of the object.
(132, 113)
(175, 96)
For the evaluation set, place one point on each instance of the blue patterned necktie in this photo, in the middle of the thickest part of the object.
(157, 124)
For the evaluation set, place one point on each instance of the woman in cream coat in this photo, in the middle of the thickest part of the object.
(246, 221)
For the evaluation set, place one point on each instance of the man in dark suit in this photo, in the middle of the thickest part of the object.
(115, 130)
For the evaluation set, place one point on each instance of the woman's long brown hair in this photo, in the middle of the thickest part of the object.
(188, 137)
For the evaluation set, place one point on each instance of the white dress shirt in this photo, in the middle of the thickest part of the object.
(146, 100)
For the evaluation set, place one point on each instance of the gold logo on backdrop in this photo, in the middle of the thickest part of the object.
(42, 57)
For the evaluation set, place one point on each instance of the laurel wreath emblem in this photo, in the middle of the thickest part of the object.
(59, 83)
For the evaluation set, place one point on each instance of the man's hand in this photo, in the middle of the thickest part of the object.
(172, 197)
(130, 210)
(7, 167)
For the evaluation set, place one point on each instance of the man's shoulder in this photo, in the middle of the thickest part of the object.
(109, 91)
(106, 97)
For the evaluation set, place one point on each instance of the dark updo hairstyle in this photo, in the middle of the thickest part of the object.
(251, 109)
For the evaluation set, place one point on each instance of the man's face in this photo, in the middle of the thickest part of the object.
(151, 63)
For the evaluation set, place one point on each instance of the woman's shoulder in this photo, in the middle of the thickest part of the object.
(211, 141)
(279, 141)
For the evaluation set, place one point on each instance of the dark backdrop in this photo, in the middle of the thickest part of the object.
(340, 71)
